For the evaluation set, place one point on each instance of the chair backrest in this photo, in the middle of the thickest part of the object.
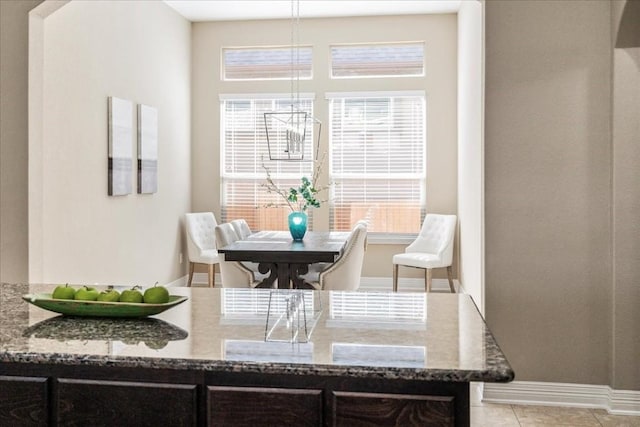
(233, 273)
(344, 274)
(365, 222)
(200, 230)
(436, 237)
(225, 234)
(241, 227)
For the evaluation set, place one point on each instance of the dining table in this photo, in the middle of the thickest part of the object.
(285, 261)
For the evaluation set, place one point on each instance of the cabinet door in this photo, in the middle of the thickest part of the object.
(377, 409)
(23, 401)
(121, 403)
(262, 406)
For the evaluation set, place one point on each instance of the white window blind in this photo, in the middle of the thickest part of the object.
(377, 161)
(250, 303)
(244, 148)
(400, 310)
(267, 63)
(377, 60)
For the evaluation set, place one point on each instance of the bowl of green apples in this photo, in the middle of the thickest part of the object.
(89, 301)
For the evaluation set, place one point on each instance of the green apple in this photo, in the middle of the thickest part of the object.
(131, 295)
(110, 295)
(156, 295)
(86, 293)
(64, 292)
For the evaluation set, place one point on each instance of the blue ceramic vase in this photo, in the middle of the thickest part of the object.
(297, 224)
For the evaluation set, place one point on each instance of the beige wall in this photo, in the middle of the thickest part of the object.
(626, 221)
(14, 38)
(626, 18)
(438, 31)
(550, 296)
(626, 200)
(133, 50)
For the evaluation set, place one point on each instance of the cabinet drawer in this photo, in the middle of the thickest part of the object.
(262, 406)
(121, 403)
(377, 409)
(23, 401)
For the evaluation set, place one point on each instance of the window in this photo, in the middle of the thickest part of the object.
(267, 63)
(377, 160)
(244, 146)
(377, 60)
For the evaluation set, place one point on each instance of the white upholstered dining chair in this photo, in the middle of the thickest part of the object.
(241, 227)
(234, 273)
(201, 243)
(433, 248)
(344, 274)
(243, 231)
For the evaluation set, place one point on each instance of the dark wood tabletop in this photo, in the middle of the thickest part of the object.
(286, 259)
(278, 246)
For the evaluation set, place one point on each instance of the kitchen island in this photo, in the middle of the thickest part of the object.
(225, 357)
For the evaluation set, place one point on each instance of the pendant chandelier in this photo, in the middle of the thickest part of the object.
(291, 129)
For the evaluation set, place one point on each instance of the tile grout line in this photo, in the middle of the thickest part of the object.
(515, 415)
(594, 416)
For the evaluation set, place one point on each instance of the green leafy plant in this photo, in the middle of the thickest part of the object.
(299, 198)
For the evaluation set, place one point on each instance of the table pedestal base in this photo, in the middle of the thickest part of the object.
(289, 276)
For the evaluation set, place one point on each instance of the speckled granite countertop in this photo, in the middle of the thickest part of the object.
(434, 337)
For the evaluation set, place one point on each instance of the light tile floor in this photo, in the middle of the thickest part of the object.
(496, 415)
(499, 415)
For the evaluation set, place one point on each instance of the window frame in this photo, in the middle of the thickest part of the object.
(382, 237)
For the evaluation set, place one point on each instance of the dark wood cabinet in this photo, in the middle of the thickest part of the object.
(23, 401)
(383, 409)
(262, 406)
(120, 403)
(67, 395)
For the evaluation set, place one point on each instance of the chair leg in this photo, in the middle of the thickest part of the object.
(211, 273)
(395, 277)
(427, 279)
(191, 266)
(450, 276)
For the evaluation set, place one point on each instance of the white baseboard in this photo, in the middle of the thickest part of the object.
(404, 284)
(618, 402)
(366, 283)
(624, 402)
(180, 281)
(199, 279)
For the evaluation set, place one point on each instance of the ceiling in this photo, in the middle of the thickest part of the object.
(237, 10)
